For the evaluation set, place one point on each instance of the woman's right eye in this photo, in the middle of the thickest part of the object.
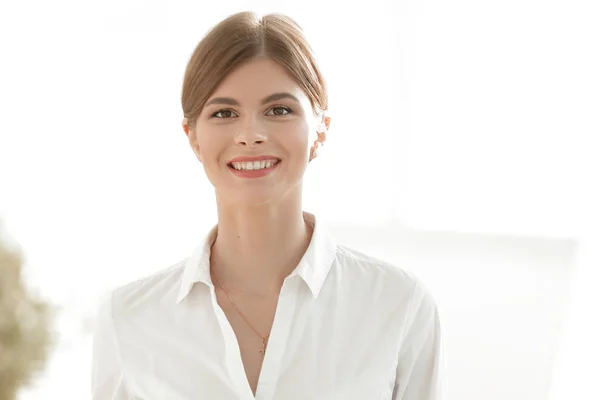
(225, 114)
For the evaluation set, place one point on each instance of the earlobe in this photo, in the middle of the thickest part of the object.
(192, 140)
(197, 152)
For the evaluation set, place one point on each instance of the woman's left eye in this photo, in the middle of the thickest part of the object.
(280, 109)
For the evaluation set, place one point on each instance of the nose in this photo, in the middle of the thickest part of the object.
(251, 134)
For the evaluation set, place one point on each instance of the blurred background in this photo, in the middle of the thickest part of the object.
(463, 147)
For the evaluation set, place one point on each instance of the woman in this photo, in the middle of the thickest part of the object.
(267, 306)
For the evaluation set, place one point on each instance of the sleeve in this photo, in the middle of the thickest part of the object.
(420, 374)
(107, 369)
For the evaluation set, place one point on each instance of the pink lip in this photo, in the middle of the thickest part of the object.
(252, 159)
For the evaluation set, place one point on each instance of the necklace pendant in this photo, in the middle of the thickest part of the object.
(263, 348)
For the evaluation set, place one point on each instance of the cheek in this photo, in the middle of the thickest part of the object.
(297, 149)
(299, 140)
(210, 146)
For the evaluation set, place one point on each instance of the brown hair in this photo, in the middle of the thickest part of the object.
(240, 38)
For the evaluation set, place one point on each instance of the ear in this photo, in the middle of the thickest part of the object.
(326, 120)
(323, 127)
(189, 132)
(186, 127)
(322, 130)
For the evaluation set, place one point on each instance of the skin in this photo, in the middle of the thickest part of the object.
(262, 234)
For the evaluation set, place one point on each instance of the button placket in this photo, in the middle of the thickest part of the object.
(233, 355)
(284, 316)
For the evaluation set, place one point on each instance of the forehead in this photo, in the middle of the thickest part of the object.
(256, 79)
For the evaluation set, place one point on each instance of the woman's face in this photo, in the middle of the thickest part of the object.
(258, 110)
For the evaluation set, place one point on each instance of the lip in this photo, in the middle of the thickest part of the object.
(254, 158)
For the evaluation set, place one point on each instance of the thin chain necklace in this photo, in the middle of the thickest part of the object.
(263, 348)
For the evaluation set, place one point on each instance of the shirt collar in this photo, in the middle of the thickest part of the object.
(313, 267)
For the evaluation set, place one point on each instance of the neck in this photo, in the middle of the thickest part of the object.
(258, 247)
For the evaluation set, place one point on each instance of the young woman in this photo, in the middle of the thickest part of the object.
(268, 306)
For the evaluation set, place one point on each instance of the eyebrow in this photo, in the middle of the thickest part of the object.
(232, 102)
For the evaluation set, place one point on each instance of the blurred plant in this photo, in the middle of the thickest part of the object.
(25, 337)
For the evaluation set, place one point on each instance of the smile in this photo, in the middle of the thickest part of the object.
(254, 165)
(254, 169)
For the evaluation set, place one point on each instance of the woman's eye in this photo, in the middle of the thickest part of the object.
(280, 110)
(224, 114)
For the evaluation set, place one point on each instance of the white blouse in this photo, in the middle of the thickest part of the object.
(347, 326)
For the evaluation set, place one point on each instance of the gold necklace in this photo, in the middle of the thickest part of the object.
(263, 348)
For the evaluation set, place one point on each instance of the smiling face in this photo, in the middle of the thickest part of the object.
(258, 110)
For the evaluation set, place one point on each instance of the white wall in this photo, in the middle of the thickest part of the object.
(576, 366)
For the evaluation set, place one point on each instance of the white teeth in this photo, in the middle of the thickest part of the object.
(253, 165)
